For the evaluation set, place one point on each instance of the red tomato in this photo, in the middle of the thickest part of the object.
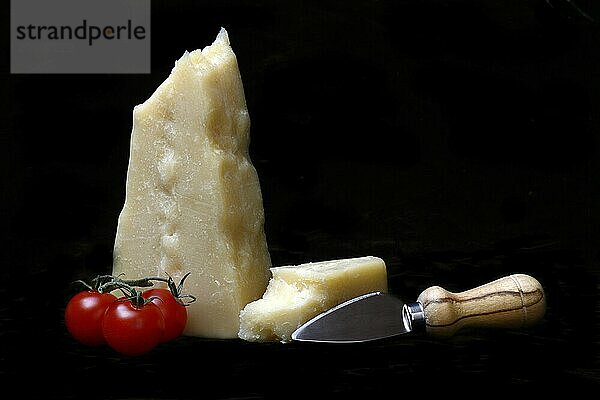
(173, 311)
(133, 330)
(83, 316)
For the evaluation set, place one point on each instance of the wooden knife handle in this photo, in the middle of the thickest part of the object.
(514, 301)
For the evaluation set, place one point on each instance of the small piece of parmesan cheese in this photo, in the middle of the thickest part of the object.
(295, 294)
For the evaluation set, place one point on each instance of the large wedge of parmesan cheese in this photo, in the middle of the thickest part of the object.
(193, 200)
(296, 294)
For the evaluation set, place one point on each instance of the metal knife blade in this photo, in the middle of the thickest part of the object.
(368, 317)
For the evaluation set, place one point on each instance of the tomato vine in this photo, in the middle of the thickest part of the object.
(134, 323)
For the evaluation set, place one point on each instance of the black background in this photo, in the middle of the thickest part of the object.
(458, 140)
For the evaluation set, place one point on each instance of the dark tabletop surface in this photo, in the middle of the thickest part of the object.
(457, 140)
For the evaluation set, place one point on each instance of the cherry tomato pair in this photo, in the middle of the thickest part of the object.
(132, 325)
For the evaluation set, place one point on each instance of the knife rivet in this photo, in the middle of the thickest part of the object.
(414, 316)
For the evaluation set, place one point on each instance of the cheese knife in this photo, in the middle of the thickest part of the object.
(515, 301)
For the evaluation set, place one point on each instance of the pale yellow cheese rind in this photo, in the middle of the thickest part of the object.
(193, 199)
(295, 294)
